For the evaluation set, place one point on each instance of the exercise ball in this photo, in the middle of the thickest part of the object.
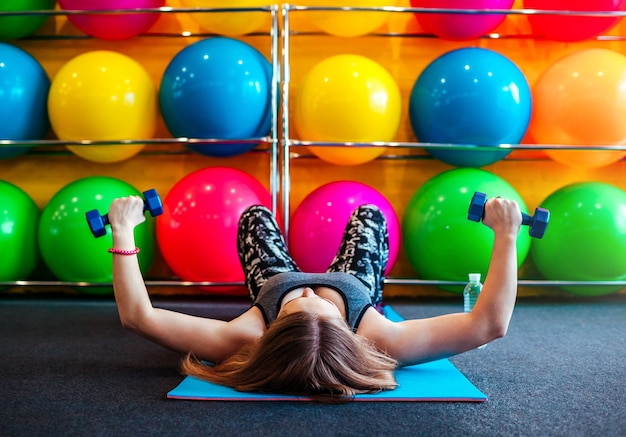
(19, 26)
(439, 240)
(113, 26)
(24, 87)
(19, 217)
(347, 98)
(580, 100)
(197, 233)
(67, 246)
(318, 223)
(217, 88)
(229, 23)
(570, 28)
(470, 96)
(460, 26)
(352, 23)
(586, 239)
(103, 96)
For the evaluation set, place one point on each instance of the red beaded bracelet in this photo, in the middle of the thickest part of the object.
(114, 251)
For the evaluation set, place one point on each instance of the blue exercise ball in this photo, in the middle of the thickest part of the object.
(470, 96)
(217, 88)
(24, 87)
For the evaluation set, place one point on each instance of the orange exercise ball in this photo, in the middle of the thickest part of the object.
(580, 100)
(229, 23)
(349, 23)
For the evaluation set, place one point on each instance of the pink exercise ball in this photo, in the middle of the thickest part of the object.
(197, 233)
(318, 223)
(461, 26)
(112, 26)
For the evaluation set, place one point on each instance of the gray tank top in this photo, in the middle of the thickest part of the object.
(354, 293)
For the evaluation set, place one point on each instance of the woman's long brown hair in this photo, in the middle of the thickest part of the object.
(303, 354)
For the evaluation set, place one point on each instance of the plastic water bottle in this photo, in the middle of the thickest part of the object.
(470, 294)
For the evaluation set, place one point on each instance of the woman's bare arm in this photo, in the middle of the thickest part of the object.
(209, 339)
(420, 340)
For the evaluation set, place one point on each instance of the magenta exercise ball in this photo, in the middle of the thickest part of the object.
(19, 217)
(113, 26)
(441, 243)
(318, 223)
(586, 239)
(197, 233)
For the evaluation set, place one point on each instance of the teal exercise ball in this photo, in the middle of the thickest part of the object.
(67, 246)
(470, 96)
(586, 238)
(439, 240)
(19, 217)
(218, 88)
(24, 88)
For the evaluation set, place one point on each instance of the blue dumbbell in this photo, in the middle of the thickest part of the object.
(537, 224)
(97, 223)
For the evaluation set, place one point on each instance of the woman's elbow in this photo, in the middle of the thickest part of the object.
(132, 322)
(498, 329)
(129, 324)
(488, 326)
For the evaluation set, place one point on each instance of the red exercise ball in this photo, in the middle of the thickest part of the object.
(569, 27)
(197, 233)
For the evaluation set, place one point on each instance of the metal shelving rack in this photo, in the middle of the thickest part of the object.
(280, 144)
(268, 145)
(288, 144)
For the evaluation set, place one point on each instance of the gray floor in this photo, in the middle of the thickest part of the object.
(68, 368)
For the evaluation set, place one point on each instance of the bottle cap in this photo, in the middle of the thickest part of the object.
(474, 277)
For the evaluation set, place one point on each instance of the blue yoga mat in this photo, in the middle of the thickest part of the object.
(435, 381)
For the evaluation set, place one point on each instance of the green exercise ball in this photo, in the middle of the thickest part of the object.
(67, 246)
(19, 216)
(19, 26)
(439, 240)
(586, 237)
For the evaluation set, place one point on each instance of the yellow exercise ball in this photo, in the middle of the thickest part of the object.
(229, 23)
(103, 96)
(351, 23)
(347, 98)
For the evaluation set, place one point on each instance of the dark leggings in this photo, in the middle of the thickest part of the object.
(363, 252)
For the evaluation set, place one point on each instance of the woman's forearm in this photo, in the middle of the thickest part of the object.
(131, 295)
(495, 304)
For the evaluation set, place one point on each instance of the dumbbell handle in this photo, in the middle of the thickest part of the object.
(537, 224)
(97, 223)
(105, 217)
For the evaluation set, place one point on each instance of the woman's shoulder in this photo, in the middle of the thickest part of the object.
(248, 326)
(376, 327)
